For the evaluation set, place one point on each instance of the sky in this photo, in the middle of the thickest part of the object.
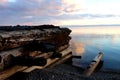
(59, 12)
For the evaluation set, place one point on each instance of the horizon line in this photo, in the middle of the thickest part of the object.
(94, 25)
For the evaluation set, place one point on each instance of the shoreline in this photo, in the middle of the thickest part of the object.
(67, 72)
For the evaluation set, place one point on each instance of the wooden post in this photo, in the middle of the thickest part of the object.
(92, 66)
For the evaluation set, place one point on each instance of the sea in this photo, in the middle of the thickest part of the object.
(88, 41)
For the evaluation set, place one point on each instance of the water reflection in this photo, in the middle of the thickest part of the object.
(88, 41)
(115, 39)
(77, 48)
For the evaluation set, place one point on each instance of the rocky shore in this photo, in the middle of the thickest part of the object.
(66, 72)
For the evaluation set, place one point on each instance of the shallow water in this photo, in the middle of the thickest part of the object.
(89, 41)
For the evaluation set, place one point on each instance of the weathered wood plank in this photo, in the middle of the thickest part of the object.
(9, 72)
(51, 61)
(62, 60)
(92, 66)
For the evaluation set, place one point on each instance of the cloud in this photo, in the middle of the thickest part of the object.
(3, 1)
(47, 11)
(36, 7)
(71, 5)
(98, 15)
(84, 16)
(26, 10)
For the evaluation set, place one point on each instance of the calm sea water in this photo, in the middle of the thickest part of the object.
(89, 41)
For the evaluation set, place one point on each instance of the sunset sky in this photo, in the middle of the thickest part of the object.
(59, 12)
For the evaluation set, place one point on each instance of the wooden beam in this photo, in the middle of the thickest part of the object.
(49, 61)
(92, 66)
(9, 72)
(62, 60)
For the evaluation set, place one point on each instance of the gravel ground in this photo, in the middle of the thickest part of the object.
(65, 72)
